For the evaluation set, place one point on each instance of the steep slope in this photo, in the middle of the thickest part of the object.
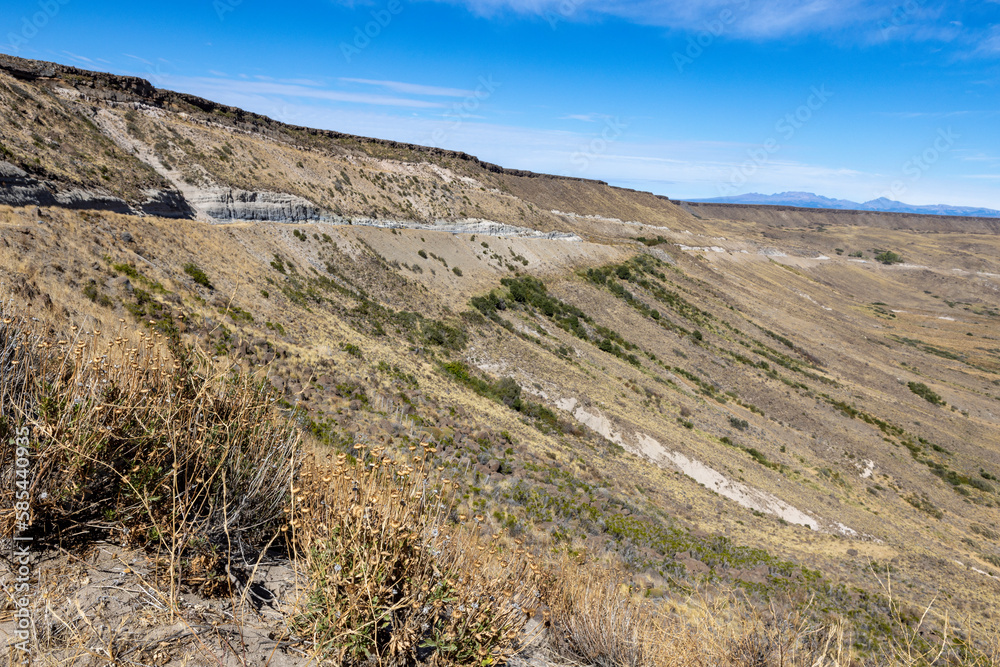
(708, 400)
(183, 156)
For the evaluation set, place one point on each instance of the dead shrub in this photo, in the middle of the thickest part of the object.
(146, 447)
(390, 579)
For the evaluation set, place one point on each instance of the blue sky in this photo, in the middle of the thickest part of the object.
(852, 99)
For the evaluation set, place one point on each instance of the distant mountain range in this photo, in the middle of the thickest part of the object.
(810, 200)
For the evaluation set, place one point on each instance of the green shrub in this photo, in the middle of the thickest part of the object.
(923, 503)
(925, 392)
(197, 275)
(508, 392)
(351, 349)
(127, 269)
(740, 424)
(438, 333)
(100, 298)
(888, 257)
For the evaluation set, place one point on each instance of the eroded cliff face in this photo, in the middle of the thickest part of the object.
(81, 139)
(224, 204)
(18, 188)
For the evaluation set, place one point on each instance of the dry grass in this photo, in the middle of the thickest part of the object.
(132, 443)
(391, 579)
(598, 619)
(151, 451)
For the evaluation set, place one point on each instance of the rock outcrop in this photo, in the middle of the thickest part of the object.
(468, 226)
(18, 188)
(224, 204)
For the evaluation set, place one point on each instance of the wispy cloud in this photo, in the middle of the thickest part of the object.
(142, 60)
(968, 155)
(990, 45)
(77, 57)
(412, 88)
(750, 18)
(224, 89)
(585, 117)
(909, 115)
(854, 21)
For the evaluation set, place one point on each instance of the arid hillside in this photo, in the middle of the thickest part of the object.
(798, 408)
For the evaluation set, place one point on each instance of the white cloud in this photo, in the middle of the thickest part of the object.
(75, 56)
(584, 117)
(225, 90)
(744, 18)
(413, 88)
(909, 115)
(990, 44)
(142, 60)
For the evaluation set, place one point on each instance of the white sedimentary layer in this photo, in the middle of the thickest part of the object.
(645, 445)
(477, 226)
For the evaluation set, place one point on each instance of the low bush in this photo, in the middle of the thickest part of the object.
(925, 392)
(508, 392)
(197, 275)
(390, 581)
(125, 434)
(888, 257)
(436, 332)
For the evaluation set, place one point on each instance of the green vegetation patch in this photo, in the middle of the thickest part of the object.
(508, 392)
(888, 257)
(197, 275)
(925, 392)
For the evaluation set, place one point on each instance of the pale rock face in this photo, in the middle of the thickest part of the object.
(231, 204)
(478, 226)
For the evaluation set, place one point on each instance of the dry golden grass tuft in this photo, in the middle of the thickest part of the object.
(135, 443)
(597, 618)
(390, 578)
